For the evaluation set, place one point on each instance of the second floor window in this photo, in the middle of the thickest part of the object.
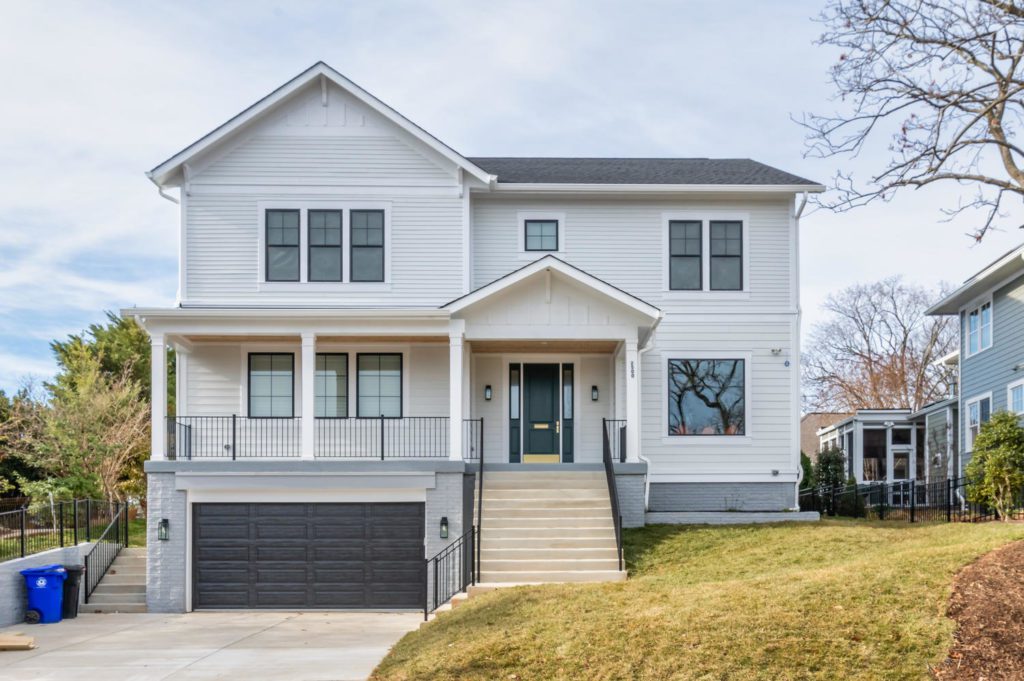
(685, 255)
(726, 255)
(271, 385)
(325, 245)
(367, 245)
(282, 245)
(541, 235)
(979, 328)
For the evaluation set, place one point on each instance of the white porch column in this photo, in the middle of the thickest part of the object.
(308, 395)
(158, 396)
(455, 388)
(632, 368)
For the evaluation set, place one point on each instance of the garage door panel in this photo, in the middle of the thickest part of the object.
(308, 555)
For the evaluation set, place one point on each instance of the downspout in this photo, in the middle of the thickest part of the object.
(799, 322)
(640, 354)
(160, 190)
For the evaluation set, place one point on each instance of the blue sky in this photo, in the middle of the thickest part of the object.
(96, 93)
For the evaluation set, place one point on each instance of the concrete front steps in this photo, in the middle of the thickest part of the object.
(123, 588)
(547, 526)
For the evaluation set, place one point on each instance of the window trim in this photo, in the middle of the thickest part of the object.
(248, 382)
(383, 246)
(348, 395)
(524, 216)
(401, 383)
(711, 256)
(705, 218)
(975, 306)
(310, 247)
(968, 438)
(699, 256)
(267, 246)
(1009, 396)
(714, 440)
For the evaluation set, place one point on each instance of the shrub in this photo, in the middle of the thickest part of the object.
(829, 470)
(807, 482)
(996, 468)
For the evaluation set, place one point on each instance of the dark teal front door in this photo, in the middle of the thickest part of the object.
(540, 413)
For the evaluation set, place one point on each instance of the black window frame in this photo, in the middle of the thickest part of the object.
(526, 235)
(401, 382)
(348, 397)
(383, 246)
(712, 256)
(745, 389)
(267, 246)
(340, 247)
(248, 387)
(699, 256)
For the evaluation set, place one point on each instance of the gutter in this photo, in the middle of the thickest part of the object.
(160, 190)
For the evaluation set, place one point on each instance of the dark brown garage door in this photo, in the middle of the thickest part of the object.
(293, 556)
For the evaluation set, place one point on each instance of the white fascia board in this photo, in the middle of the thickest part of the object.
(287, 313)
(992, 276)
(551, 263)
(536, 187)
(166, 173)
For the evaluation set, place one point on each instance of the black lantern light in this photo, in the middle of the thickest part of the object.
(163, 530)
(487, 393)
(444, 527)
(593, 393)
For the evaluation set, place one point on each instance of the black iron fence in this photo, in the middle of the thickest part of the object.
(451, 571)
(615, 436)
(45, 526)
(239, 437)
(905, 500)
(613, 490)
(108, 544)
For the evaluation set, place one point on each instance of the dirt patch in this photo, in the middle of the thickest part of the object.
(988, 607)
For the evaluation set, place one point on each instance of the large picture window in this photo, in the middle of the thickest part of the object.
(367, 245)
(707, 397)
(324, 245)
(271, 385)
(282, 242)
(379, 385)
(331, 387)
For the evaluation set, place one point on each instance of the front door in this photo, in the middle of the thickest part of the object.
(541, 413)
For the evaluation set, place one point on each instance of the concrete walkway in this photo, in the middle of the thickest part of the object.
(251, 646)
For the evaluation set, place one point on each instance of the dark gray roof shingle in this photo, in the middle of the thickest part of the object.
(710, 171)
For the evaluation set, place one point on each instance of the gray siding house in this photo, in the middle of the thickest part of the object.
(990, 307)
(367, 319)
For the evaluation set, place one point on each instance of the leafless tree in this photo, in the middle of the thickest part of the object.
(877, 349)
(714, 384)
(943, 79)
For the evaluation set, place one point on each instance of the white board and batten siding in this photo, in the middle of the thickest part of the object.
(342, 154)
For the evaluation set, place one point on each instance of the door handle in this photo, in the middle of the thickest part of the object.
(557, 427)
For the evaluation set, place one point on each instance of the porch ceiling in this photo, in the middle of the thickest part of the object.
(295, 338)
(533, 346)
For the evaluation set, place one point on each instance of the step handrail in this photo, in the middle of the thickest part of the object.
(454, 569)
(613, 492)
(108, 545)
(480, 498)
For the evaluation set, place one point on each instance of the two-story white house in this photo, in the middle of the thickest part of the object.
(367, 317)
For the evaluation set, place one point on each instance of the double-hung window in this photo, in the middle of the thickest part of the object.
(331, 389)
(1015, 397)
(685, 267)
(271, 385)
(282, 241)
(726, 255)
(379, 385)
(325, 245)
(979, 328)
(367, 252)
(707, 397)
(979, 410)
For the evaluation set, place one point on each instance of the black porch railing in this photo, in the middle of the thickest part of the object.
(410, 437)
(105, 550)
(451, 571)
(905, 500)
(613, 491)
(615, 434)
(232, 437)
(41, 527)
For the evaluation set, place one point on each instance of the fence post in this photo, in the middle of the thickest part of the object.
(74, 519)
(88, 520)
(883, 492)
(234, 436)
(949, 500)
(913, 500)
(382, 437)
(60, 510)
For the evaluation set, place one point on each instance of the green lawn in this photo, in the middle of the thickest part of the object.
(836, 599)
(137, 531)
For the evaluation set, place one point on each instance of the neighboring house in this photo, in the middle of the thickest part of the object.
(990, 307)
(810, 424)
(365, 313)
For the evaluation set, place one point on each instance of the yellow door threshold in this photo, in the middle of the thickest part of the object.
(542, 458)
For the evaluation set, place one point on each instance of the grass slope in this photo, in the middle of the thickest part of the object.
(851, 600)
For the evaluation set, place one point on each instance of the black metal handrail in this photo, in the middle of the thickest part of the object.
(449, 572)
(232, 437)
(382, 437)
(613, 491)
(480, 500)
(472, 439)
(108, 545)
(45, 526)
(615, 433)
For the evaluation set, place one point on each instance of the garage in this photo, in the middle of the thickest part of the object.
(306, 556)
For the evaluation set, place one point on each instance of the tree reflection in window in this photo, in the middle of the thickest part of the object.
(706, 397)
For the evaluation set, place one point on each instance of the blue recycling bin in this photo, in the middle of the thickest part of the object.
(45, 588)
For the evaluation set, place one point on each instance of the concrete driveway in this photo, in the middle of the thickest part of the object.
(250, 646)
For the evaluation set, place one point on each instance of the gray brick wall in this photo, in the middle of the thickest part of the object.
(165, 564)
(631, 499)
(445, 499)
(12, 584)
(722, 496)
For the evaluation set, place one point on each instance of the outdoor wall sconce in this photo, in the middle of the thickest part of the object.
(593, 393)
(163, 530)
(444, 527)
(487, 393)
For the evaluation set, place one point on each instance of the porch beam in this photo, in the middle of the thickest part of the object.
(308, 388)
(456, 342)
(158, 396)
